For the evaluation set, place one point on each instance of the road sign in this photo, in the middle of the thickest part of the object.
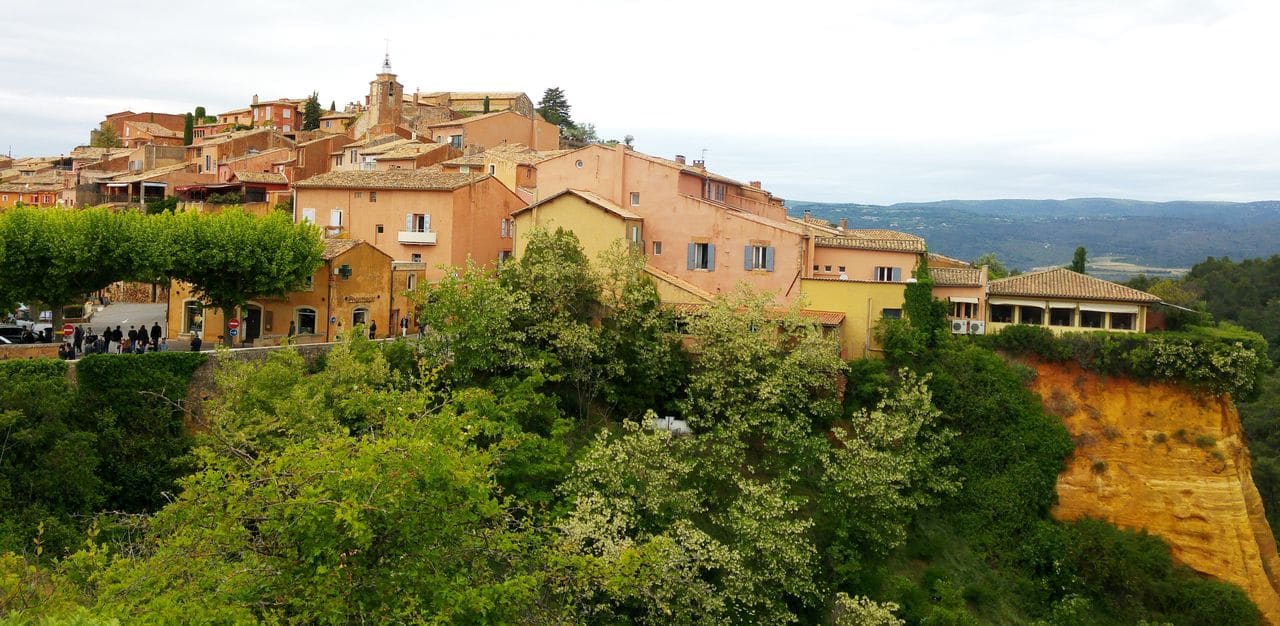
(68, 329)
(233, 324)
(333, 319)
(234, 332)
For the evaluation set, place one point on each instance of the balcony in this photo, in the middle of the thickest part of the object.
(415, 237)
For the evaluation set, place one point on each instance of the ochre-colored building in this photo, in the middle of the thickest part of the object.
(1066, 301)
(421, 216)
(354, 286)
(488, 130)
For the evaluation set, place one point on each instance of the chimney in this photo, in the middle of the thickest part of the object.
(808, 215)
(755, 183)
(255, 98)
(700, 164)
(844, 223)
(680, 159)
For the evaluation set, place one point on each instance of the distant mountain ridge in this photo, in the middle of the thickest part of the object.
(1123, 237)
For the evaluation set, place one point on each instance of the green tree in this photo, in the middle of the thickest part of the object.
(231, 257)
(311, 112)
(1078, 261)
(188, 129)
(926, 314)
(106, 137)
(200, 114)
(995, 268)
(554, 108)
(55, 256)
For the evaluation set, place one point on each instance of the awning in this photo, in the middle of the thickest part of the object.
(117, 184)
(1062, 305)
(1108, 308)
(209, 186)
(1016, 302)
(968, 299)
(146, 184)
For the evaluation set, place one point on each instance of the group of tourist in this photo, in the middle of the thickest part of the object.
(113, 341)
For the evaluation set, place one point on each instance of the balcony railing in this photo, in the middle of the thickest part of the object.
(427, 238)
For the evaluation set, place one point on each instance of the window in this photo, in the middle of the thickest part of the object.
(309, 284)
(287, 128)
(1002, 313)
(702, 256)
(841, 269)
(825, 268)
(337, 160)
(309, 215)
(287, 113)
(758, 257)
(193, 318)
(1062, 317)
(657, 248)
(464, 169)
(208, 162)
(891, 314)
(255, 114)
(713, 191)
(415, 258)
(964, 310)
(327, 123)
(411, 281)
(418, 222)
(306, 321)
(4, 198)
(1033, 315)
(359, 194)
(1122, 321)
(504, 228)
(335, 218)
(373, 196)
(360, 316)
(504, 256)
(634, 234)
(455, 141)
(353, 156)
(888, 274)
(493, 169)
(379, 228)
(1092, 319)
(635, 198)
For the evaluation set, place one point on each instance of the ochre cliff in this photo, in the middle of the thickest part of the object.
(1158, 457)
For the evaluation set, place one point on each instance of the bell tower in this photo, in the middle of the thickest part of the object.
(384, 100)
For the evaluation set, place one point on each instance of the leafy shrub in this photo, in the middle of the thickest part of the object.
(1220, 359)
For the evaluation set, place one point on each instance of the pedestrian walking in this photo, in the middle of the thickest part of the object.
(404, 326)
(78, 341)
(156, 331)
(373, 329)
(114, 342)
(133, 335)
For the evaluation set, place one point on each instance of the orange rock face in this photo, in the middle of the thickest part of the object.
(1160, 458)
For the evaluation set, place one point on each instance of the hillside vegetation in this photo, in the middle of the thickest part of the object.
(505, 469)
(1027, 234)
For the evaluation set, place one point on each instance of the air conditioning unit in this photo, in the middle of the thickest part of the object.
(977, 327)
(960, 327)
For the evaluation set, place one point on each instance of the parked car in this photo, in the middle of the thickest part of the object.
(4, 341)
(17, 334)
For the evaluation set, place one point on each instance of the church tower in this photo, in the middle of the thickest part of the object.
(384, 100)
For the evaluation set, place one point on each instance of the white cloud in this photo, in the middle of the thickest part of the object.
(863, 101)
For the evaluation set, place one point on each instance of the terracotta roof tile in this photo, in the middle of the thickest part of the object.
(152, 173)
(825, 318)
(956, 276)
(270, 178)
(335, 247)
(1061, 282)
(425, 179)
(408, 151)
(153, 129)
(873, 239)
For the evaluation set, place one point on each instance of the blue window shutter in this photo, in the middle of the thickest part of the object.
(711, 257)
(746, 258)
(897, 274)
(768, 261)
(691, 253)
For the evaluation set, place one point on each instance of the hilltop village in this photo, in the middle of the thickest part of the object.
(405, 185)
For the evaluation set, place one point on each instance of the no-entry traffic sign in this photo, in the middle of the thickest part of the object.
(68, 329)
(233, 324)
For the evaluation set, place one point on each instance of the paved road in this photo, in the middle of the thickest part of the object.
(127, 315)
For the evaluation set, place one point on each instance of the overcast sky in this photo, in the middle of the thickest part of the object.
(856, 101)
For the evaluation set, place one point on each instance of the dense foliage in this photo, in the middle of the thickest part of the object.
(511, 467)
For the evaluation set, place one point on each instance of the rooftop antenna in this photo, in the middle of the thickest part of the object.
(704, 155)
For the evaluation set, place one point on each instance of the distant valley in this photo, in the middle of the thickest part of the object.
(1124, 237)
